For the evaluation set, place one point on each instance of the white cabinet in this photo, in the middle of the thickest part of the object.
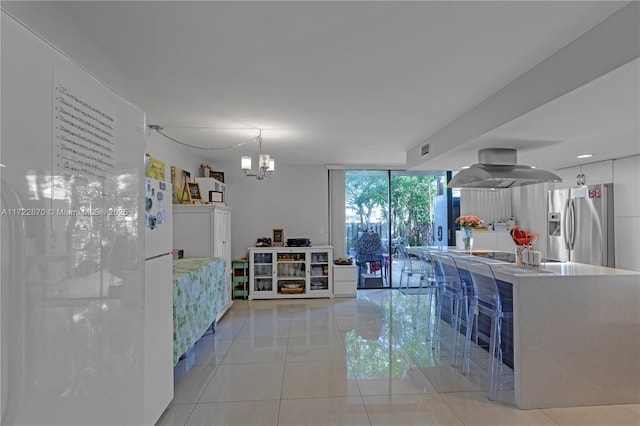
(204, 231)
(211, 184)
(344, 280)
(290, 272)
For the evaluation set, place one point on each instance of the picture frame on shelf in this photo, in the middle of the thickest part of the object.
(192, 190)
(217, 176)
(216, 197)
(277, 239)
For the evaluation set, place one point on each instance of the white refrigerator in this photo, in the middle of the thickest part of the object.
(158, 296)
(85, 319)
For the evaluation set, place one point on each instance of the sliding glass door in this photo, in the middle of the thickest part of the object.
(367, 225)
(386, 209)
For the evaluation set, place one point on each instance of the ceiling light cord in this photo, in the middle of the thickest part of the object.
(159, 129)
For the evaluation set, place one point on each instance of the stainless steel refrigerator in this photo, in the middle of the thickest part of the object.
(580, 225)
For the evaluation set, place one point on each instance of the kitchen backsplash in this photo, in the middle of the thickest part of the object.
(490, 206)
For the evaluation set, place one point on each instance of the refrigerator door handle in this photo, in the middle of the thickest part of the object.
(565, 224)
(573, 224)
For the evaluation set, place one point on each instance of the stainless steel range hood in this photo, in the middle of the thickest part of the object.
(498, 168)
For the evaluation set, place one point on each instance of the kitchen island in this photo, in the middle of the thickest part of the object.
(575, 334)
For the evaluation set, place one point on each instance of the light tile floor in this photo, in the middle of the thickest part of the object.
(355, 361)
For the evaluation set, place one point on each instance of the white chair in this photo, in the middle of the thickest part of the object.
(486, 355)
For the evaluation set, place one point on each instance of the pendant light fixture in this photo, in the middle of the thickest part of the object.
(266, 164)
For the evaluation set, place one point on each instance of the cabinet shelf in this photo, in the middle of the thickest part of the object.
(240, 278)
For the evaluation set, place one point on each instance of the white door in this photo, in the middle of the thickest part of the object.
(222, 241)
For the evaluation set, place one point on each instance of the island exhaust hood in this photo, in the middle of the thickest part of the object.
(498, 168)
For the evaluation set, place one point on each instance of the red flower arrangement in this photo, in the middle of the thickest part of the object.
(522, 237)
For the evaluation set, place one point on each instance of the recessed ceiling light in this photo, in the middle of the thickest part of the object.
(585, 155)
(464, 167)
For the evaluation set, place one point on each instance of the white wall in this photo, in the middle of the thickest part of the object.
(295, 198)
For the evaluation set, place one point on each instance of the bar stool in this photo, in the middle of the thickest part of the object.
(451, 287)
(409, 267)
(428, 282)
(486, 354)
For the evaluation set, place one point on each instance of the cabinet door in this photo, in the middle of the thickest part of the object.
(291, 271)
(261, 272)
(222, 244)
(222, 235)
(320, 271)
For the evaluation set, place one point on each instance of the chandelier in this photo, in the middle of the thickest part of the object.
(266, 164)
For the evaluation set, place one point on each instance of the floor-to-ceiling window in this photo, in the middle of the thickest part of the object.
(384, 209)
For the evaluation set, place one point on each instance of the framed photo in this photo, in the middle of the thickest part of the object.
(216, 197)
(192, 190)
(217, 175)
(278, 238)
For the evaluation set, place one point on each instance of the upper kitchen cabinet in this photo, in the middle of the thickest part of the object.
(589, 174)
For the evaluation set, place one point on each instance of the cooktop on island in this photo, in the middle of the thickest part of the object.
(505, 256)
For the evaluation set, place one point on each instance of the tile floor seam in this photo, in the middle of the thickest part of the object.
(284, 369)
(549, 417)
(190, 413)
(632, 412)
(206, 386)
(453, 410)
(366, 411)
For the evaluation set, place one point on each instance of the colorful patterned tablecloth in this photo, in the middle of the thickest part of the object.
(199, 294)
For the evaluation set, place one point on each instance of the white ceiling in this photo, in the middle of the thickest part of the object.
(357, 83)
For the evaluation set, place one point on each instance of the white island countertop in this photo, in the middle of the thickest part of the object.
(506, 271)
(564, 269)
(576, 334)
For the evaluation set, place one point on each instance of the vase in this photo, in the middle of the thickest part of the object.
(520, 255)
(467, 238)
